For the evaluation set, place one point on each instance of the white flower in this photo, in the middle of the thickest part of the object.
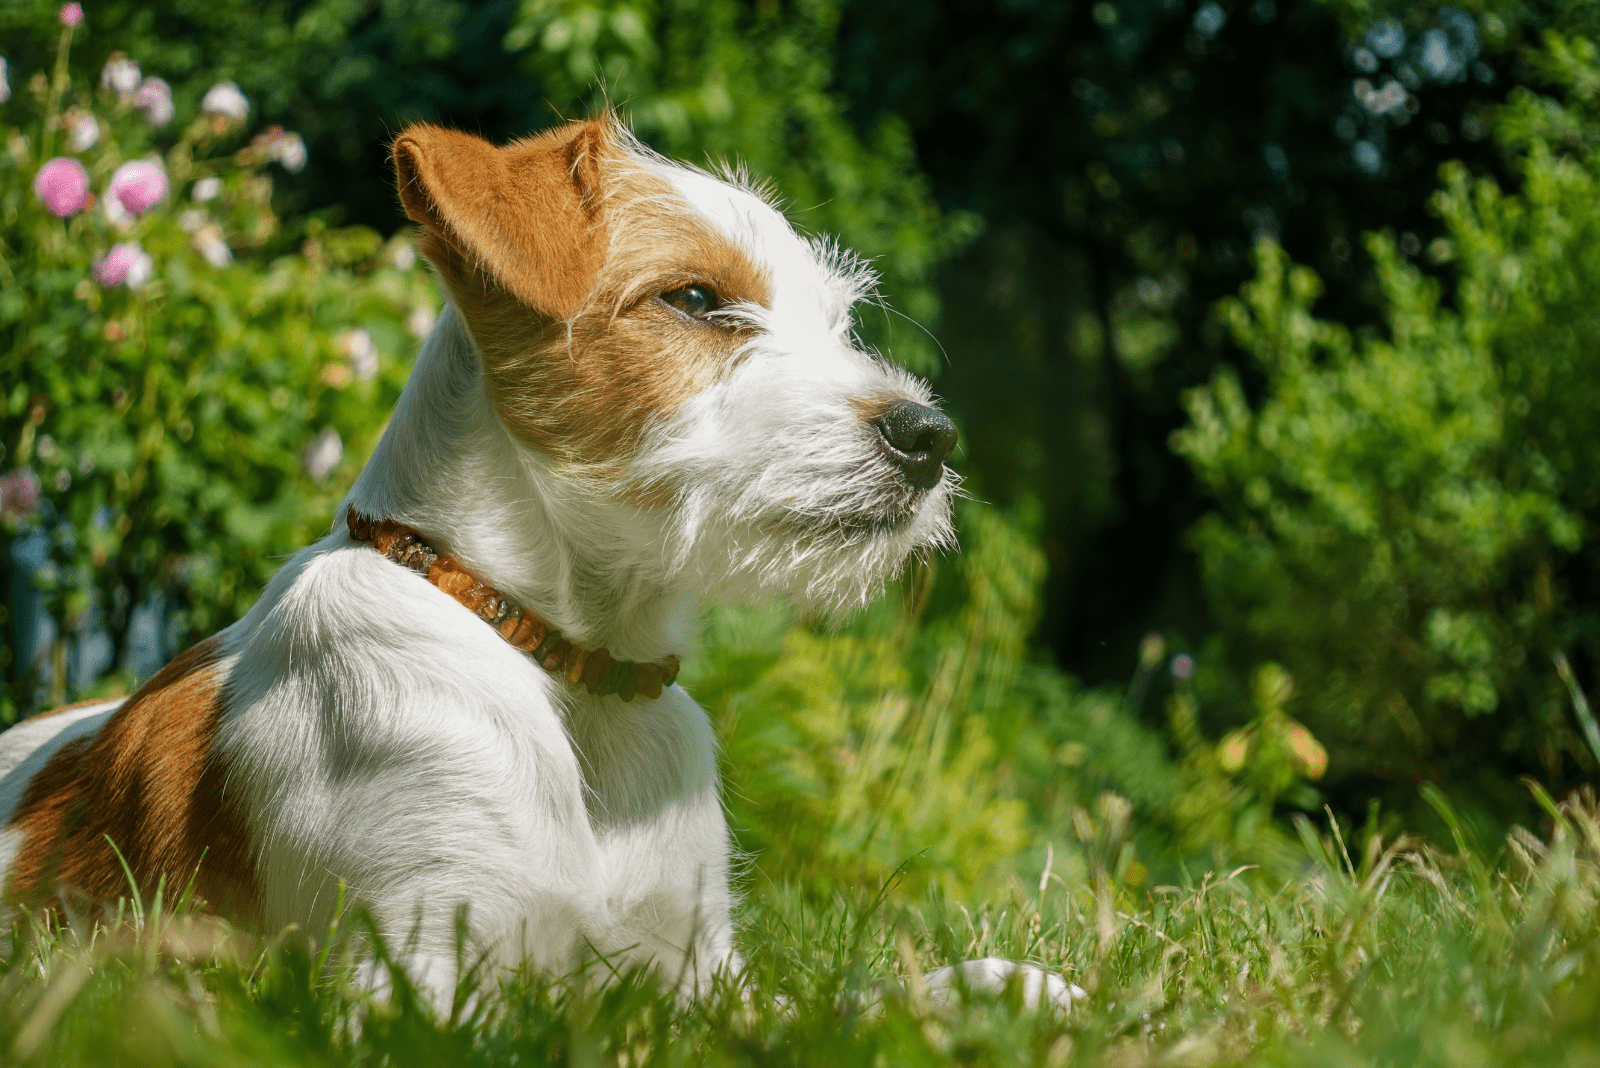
(5, 84)
(192, 220)
(116, 214)
(282, 146)
(405, 257)
(323, 454)
(420, 321)
(206, 189)
(290, 152)
(209, 243)
(225, 99)
(154, 99)
(120, 75)
(85, 132)
(361, 352)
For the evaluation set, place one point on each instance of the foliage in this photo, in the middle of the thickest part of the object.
(166, 420)
(1392, 954)
(921, 746)
(1507, 23)
(856, 752)
(1405, 519)
(323, 66)
(1124, 156)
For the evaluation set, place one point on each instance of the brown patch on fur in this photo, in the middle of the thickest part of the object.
(555, 250)
(71, 707)
(150, 781)
(529, 213)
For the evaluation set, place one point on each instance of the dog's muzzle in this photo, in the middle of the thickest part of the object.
(916, 439)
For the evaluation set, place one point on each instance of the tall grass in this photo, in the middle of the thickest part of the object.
(1385, 952)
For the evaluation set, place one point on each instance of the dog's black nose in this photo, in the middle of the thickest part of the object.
(917, 439)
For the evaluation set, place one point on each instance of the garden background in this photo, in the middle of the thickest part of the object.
(1271, 331)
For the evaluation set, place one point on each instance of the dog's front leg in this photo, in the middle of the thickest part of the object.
(472, 917)
(665, 851)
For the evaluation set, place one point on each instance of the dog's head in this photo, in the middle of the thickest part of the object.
(666, 341)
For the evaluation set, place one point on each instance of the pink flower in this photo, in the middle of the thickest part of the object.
(154, 99)
(5, 83)
(126, 264)
(139, 185)
(72, 14)
(63, 185)
(19, 494)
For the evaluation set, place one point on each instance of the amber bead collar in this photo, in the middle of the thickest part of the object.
(595, 670)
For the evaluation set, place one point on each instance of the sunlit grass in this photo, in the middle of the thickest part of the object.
(1381, 953)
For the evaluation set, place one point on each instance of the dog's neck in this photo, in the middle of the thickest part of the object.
(448, 467)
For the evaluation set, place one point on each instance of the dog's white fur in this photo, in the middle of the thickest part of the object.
(384, 740)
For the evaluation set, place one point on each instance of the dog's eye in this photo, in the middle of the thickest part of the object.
(698, 301)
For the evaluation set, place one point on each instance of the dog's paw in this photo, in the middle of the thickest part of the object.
(991, 975)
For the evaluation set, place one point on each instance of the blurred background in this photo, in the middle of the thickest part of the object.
(1269, 324)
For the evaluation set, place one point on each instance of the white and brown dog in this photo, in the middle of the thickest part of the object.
(643, 393)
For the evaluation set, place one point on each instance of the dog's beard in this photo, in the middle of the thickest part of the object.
(834, 553)
(788, 495)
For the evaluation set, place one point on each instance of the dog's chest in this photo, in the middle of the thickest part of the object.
(643, 764)
(652, 798)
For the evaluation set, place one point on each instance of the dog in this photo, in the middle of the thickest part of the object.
(643, 394)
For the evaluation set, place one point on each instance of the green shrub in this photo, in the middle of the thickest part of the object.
(851, 752)
(1405, 518)
(184, 433)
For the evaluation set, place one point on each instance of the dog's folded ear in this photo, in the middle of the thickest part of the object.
(530, 214)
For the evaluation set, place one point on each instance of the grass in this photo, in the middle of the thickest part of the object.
(1381, 953)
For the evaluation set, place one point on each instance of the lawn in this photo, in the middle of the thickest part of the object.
(1380, 952)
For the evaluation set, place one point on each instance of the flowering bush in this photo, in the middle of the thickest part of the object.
(180, 383)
